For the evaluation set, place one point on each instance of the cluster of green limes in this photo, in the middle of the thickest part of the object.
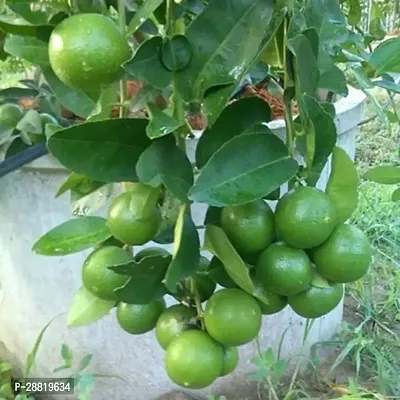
(31, 130)
(298, 255)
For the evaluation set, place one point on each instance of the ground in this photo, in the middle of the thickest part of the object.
(364, 359)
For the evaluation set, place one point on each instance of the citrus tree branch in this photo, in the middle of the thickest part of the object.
(122, 82)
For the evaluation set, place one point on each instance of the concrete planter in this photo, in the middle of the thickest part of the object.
(34, 289)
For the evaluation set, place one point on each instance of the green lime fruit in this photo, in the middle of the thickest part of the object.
(305, 217)
(231, 360)
(98, 278)
(87, 51)
(132, 220)
(345, 256)
(283, 270)
(276, 303)
(232, 317)
(173, 321)
(10, 115)
(151, 251)
(218, 274)
(250, 227)
(194, 360)
(139, 318)
(317, 301)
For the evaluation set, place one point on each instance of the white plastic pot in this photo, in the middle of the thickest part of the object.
(34, 289)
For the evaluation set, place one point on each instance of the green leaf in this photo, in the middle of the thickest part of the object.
(31, 358)
(25, 10)
(85, 361)
(105, 104)
(217, 243)
(305, 49)
(396, 195)
(186, 255)
(176, 53)
(165, 163)
(320, 282)
(80, 185)
(16, 93)
(234, 120)
(343, 184)
(67, 355)
(355, 12)
(28, 48)
(87, 308)
(146, 280)
(223, 47)
(142, 14)
(217, 98)
(73, 236)
(334, 80)
(388, 85)
(384, 174)
(31, 123)
(74, 100)
(213, 216)
(160, 124)
(386, 56)
(17, 26)
(146, 64)
(147, 94)
(246, 168)
(322, 138)
(106, 151)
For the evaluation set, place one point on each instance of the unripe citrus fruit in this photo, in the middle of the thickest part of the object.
(150, 251)
(10, 114)
(250, 227)
(305, 217)
(194, 360)
(276, 302)
(283, 270)
(345, 256)
(172, 322)
(98, 278)
(231, 360)
(87, 51)
(316, 301)
(132, 220)
(139, 318)
(232, 317)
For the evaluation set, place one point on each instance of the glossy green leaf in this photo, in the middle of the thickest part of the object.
(213, 216)
(355, 12)
(396, 195)
(321, 139)
(142, 14)
(31, 122)
(146, 280)
(217, 98)
(334, 80)
(87, 308)
(73, 236)
(305, 49)
(176, 53)
(386, 56)
(388, 85)
(186, 254)
(24, 9)
(246, 168)
(147, 94)
(234, 120)
(160, 124)
(28, 48)
(146, 64)
(80, 184)
(165, 163)
(74, 100)
(106, 151)
(235, 42)
(105, 104)
(16, 93)
(17, 26)
(343, 184)
(217, 243)
(384, 174)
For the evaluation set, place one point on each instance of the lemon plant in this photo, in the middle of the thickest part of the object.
(196, 56)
